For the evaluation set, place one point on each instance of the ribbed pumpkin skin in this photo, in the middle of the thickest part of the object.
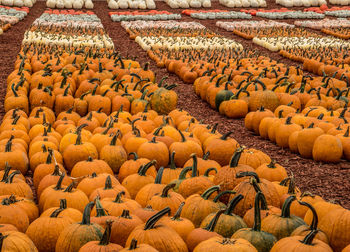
(227, 224)
(45, 231)
(217, 244)
(161, 237)
(12, 214)
(17, 242)
(293, 244)
(279, 226)
(72, 213)
(76, 235)
(94, 246)
(336, 225)
(140, 248)
(258, 239)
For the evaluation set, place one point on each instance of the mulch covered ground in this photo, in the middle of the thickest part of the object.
(331, 181)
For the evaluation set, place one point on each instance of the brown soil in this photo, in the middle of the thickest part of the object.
(331, 181)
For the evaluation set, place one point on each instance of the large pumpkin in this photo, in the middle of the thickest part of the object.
(76, 235)
(216, 244)
(157, 235)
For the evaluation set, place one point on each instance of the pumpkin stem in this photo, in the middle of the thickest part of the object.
(69, 188)
(56, 212)
(158, 179)
(134, 154)
(108, 183)
(118, 198)
(133, 244)
(309, 237)
(183, 138)
(183, 172)
(272, 164)
(286, 207)
(63, 204)
(8, 146)
(210, 191)
(126, 214)
(246, 174)
(143, 168)
(233, 203)
(178, 212)
(165, 192)
(2, 238)
(59, 182)
(172, 161)
(236, 156)
(214, 221)
(78, 140)
(206, 155)
(106, 237)
(226, 135)
(216, 199)
(194, 165)
(206, 173)
(100, 211)
(314, 222)
(86, 213)
(6, 172)
(153, 220)
(259, 199)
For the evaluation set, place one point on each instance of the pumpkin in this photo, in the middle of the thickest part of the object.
(282, 225)
(101, 216)
(195, 184)
(12, 214)
(249, 187)
(284, 131)
(7, 227)
(49, 228)
(261, 240)
(76, 235)
(182, 226)
(327, 148)
(77, 152)
(166, 198)
(149, 190)
(16, 242)
(123, 226)
(305, 229)
(221, 149)
(91, 183)
(215, 244)
(271, 171)
(27, 205)
(266, 98)
(204, 164)
(300, 243)
(132, 166)
(253, 158)
(184, 150)
(63, 211)
(228, 223)
(133, 183)
(109, 190)
(322, 208)
(226, 176)
(113, 155)
(104, 245)
(164, 100)
(335, 224)
(158, 236)
(201, 234)
(197, 207)
(9, 185)
(17, 159)
(139, 247)
(116, 206)
(306, 139)
(88, 166)
(154, 150)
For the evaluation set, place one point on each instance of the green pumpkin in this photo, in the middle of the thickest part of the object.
(261, 240)
(223, 95)
(282, 225)
(164, 99)
(228, 223)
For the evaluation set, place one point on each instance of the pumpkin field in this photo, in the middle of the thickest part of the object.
(175, 126)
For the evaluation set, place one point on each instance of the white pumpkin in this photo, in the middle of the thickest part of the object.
(28, 3)
(18, 3)
(206, 3)
(150, 4)
(68, 4)
(123, 4)
(60, 4)
(254, 3)
(113, 4)
(51, 4)
(245, 3)
(238, 3)
(195, 4)
(89, 4)
(78, 4)
(183, 4)
(142, 5)
(7, 2)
